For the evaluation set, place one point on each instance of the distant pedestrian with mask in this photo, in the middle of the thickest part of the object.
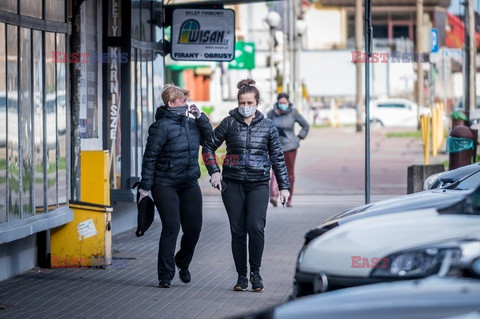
(284, 116)
(253, 148)
(170, 170)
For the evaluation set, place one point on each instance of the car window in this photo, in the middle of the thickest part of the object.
(391, 105)
(470, 182)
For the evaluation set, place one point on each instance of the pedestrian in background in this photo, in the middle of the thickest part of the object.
(284, 116)
(253, 148)
(170, 170)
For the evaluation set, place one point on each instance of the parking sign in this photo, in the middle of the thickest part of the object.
(434, 40)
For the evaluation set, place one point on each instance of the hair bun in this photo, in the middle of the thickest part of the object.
(245, 82)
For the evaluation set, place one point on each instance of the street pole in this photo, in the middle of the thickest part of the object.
(358, 47)
(368, 51)
(470, 99)
(272, 79)
(285, 11)
(419, 50)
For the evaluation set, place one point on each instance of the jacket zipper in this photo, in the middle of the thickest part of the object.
(248, 151)
(188, 150)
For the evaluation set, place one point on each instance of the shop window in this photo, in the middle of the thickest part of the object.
(39, 123)
(61, 115)
(55, 10)
(31, 8)
(26, 123)
(135, 152)
(3, 127)
(9, 5)
(136, 19)
(145, 16)
(51, 122)
(13, 159)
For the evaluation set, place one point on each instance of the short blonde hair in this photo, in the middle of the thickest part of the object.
(172, 92)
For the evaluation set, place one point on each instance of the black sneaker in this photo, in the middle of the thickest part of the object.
(164, 283)
(256, 281)
(242, 284)
(184, 275)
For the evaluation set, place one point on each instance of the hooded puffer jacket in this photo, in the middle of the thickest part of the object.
(171, 153)
(251, 150)
(285, 124)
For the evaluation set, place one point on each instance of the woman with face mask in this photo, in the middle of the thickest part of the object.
(284, 116)
(170, 170)
(253, 148)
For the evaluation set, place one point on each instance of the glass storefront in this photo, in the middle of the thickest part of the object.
(33, 104)
(131, 110)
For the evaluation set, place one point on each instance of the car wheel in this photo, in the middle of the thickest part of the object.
(376, 123)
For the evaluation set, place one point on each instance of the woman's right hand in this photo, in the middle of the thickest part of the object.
(216, 180)
(143, 193)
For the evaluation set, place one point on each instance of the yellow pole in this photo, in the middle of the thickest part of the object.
(434, 130)
(425, 130)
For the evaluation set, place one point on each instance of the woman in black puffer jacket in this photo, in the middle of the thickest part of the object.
(253, 147)
(170, 170)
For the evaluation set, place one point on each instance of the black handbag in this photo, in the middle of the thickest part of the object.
(145, 212)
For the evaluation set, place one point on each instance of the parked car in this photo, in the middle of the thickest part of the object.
(389, 247)
(394, 112)
(444, 179)
(429, 298)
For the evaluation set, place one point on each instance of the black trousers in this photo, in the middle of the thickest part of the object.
(178, 207)
(246, 205)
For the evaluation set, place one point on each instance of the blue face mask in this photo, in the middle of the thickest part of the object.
(283, 107)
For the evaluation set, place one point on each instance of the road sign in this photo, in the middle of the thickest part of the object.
(434, 40)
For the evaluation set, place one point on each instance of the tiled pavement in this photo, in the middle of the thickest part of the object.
(329, 165)
(129, 288)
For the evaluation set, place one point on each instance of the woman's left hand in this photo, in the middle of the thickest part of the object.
(284, 195)
(195, 111)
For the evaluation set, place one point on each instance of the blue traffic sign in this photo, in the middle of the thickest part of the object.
(434, 40)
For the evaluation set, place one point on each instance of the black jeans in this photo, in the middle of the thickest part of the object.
(178, 206)
(246, 205)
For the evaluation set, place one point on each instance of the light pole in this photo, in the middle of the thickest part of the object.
(300, 29)
(272, 19)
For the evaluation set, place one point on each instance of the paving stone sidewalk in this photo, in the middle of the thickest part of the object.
(129, 288)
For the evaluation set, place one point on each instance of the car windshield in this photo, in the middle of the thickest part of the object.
(472, 181)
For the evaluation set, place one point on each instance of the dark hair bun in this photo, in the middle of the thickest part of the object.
(245, 82)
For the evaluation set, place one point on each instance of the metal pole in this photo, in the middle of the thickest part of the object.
(420, 79)
(285, 41)
(469, 80)
(358, 66)
(271, 65)
(368, 50)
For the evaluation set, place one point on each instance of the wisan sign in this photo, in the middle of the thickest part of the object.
(203, 35)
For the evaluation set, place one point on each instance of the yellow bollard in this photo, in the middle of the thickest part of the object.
(425, 130)
(434, 130)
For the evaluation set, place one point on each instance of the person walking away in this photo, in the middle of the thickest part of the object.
(284, 116)
(170, 170)
(253, 148)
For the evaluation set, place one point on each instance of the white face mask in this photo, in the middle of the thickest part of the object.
(247, 111)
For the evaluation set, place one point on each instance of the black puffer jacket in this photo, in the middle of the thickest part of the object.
(251, 150)
(171, 154)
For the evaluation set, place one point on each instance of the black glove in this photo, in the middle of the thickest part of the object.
(195, 111)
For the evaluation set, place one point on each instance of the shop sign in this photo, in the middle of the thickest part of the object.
(203, 35)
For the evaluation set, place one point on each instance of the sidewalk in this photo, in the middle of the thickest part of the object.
(129, 288)
(330, 178)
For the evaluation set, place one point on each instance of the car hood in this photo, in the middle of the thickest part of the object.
(427, 298)
(380, 236)
(435, 198)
